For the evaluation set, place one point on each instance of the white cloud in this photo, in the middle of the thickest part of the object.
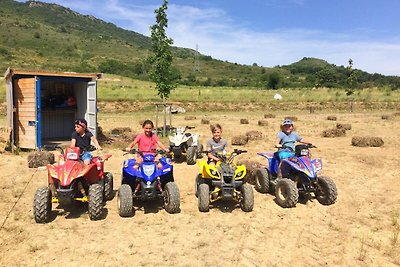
(222, 38)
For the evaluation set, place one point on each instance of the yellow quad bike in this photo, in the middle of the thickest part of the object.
(224, 181)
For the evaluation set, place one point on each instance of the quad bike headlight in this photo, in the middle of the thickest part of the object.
(239, 174)
(168, 161)
(125, 165)
(214, 173)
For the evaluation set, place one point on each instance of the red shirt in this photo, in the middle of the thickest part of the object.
(147, 143)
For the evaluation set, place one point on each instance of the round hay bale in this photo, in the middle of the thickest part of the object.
(240, 140)
(244, 121)
(366, 141)
(293, 118)
(269, 116)
(334, 133)
(254, 135)
(251, 167)
(331, 118)
(41, 158)
(205, 121)
(386, 117)
(190, 118)
(263, 123)
(345, 126)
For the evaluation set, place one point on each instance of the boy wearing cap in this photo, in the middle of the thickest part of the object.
(285, 141)
(81, 138)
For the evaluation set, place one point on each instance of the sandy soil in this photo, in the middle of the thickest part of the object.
(360, 229)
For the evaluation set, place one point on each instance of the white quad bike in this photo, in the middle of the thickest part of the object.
(182, 142)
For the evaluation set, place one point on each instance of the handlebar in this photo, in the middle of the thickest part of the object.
(136, 151)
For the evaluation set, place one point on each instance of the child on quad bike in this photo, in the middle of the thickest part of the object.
(285, 142)
(81, 138)
(215, 144)
(147, 142)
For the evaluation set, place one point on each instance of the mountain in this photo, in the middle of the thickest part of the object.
(37, 35)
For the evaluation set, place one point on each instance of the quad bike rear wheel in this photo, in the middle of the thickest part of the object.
(286, 193)
(95, 205)
(204, 197)
(247, 201)
(191, 155)
(42, 205)
(326, 192)
(108, 186)
(262, 180)
(172, 198)
(125, 201)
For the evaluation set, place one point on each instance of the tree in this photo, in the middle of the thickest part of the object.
(161, 60)
(273, 80)
(352, 79)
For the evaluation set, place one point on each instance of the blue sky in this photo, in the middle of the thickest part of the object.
(269, 32)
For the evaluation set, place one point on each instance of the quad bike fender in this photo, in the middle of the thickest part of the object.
(300, 164)
(273, 161)
(207, 171)
(240, 172)
(317, 164)
(193, 141)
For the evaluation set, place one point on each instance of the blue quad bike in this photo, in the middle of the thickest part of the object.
(299, 176)
(147, 183)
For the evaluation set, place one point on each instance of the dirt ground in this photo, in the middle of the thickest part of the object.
(360, 229)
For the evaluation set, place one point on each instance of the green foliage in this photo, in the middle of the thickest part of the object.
(42, 36)
(161, 71)
(274, 80)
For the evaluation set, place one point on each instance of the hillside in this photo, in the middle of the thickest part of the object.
(38, 35)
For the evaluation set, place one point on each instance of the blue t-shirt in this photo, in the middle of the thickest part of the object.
(288, 140)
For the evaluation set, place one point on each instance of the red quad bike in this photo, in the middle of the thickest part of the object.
(71, 180)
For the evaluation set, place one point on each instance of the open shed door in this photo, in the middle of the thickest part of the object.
(92, 107)
(25, 117)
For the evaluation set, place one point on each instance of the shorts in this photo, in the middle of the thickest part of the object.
(86, 156)
(284, 154)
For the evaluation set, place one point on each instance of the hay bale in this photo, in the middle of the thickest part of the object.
(331, 118)
(263, 123)
(345, 126)
(240, 140)
(41, 158)
(367, 141)
(251, 168)
(244, 121)
(269, 116)
(396, 114)
(205, 121)
(254, 135)
(386, 117)
(190, 118)
(334, 133)
(293, 118)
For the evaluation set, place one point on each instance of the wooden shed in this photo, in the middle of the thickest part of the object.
(42, 106)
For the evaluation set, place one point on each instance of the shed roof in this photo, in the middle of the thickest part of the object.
(11, 72)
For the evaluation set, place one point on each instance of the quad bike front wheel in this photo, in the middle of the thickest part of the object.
(286, 193)
(108, 186)
(42, 205)
(95, 205)
(199, 151)
(125, 201)
(262, 180)
(326, 192)
(247, 201)
(198, 181)
(191, 155)
(172, 199)
(204, 198)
